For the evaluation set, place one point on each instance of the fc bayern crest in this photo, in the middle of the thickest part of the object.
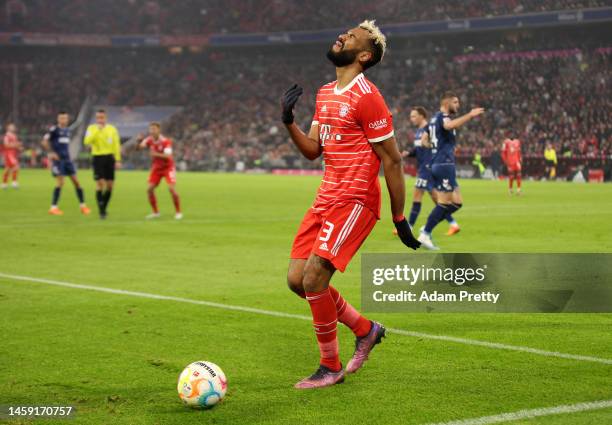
(344, 109)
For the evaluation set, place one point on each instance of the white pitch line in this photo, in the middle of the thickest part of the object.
(502, 346)
(446, 338)
(531, 413)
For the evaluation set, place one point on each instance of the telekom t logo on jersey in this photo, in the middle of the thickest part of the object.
(325, 133)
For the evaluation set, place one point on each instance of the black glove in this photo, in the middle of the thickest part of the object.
(405, 234)
(288, 101)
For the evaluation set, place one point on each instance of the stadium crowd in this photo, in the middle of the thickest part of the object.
(220, 16)
(230, 115)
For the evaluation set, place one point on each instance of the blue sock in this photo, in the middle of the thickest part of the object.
(56, 195)
(450, 219)
(80, 195)
(414, 213)
(436, 215)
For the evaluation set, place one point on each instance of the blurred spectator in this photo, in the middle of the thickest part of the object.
(16, 14)
(222, 16)
(230, 115)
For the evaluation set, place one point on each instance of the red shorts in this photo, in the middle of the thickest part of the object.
(11, 161)
(156, 175)
(514, 168)
(335, 234)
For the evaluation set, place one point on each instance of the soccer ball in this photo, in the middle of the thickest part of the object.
(202, 385)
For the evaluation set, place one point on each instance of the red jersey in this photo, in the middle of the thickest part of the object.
(511, 152)
(8, 150)
(161, 145)
(350, 120)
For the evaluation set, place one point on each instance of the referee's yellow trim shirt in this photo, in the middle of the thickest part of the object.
(103, 141)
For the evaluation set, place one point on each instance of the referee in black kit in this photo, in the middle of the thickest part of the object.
(106, 153)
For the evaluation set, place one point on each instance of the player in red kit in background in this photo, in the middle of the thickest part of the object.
(162, 167)
(353, 129)
(11, 148)
(511, 155)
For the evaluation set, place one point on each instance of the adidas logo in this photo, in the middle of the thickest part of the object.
(323, 247)
(324, 108)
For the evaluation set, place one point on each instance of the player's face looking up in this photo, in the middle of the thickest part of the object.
(350, 47)
(62, 120)
(11, 128)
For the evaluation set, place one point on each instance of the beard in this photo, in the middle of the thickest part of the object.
(342, 58)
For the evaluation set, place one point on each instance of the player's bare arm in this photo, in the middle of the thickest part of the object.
(309, 144)
(141, 141)
(458, 122)
(391, 159)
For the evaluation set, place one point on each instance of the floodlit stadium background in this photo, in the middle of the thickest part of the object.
(541, 68)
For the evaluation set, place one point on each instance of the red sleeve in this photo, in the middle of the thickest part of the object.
(148, 142)
(167, 143)
(504, 152)
(315, 117)
(374, 117)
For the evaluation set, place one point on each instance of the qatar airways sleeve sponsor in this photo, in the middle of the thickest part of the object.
(375, 118)
(378, 124)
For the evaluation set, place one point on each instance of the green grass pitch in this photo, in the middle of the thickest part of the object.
(117, 358)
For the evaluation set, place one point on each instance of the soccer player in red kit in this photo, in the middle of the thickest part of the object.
(353, 129)
(162, 167)
(11, 148)
(511, 155)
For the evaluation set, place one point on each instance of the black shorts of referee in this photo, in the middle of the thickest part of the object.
(104, 167)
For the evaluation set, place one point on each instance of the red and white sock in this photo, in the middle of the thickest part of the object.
(15, 175)
(5, 176)
(324, 319)
(349, 316)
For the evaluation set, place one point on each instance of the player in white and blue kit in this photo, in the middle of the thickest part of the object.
(57, 143)
(423, 152)
(442, 136)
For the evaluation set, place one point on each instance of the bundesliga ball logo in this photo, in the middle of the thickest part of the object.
(201, 385)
